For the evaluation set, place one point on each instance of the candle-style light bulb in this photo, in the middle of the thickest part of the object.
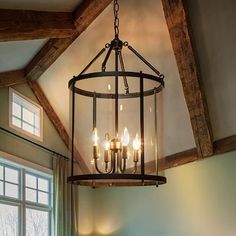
(106, 145)
(136, 143)
(95, 137)
(95, 143)
(136, 147)
(125, 140)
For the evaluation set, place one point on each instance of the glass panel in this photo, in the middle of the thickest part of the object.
(16, 122)
(11, 175)
(43, 184)
(28, 116)
(16, 110)
(28, 128)
(11, 190)
(31, 181)
(36, 120)
(30, 195)
(37, 223)
(43, 198)
(1, 188)
(9, 220)
(1, 172)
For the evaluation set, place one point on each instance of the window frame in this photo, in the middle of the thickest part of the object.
(21, 130)
(21, 201)
(4, 165)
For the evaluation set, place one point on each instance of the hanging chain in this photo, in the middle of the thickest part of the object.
(116, 20)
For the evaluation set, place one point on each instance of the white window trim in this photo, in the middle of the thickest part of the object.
(39, 138)
(22, 162)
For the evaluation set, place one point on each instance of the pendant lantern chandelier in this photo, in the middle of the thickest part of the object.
(120, 162)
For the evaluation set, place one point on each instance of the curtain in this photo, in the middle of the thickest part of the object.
(65, 200)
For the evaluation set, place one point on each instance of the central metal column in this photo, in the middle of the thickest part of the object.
(116, 94)
(142, 124)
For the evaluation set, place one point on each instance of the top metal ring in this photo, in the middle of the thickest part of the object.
(137, 75)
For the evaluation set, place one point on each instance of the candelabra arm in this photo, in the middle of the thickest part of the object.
(135, 168)
(122, 166)
(97, 168)
(113, 162)
(110, 169)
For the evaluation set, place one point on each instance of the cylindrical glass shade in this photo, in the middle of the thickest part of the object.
(118, 143)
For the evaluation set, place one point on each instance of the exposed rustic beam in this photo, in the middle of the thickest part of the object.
(46, 56)
(87, 12)
(12, 78)
(179, 30)
(178, 159)
(170, 161)
(56, 122)
(225, 145)
(83, 16)
(26, 25)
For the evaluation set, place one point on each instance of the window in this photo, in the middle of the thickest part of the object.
(25, 201)
(25, 115)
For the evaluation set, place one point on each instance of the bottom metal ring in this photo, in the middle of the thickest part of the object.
(104, 180)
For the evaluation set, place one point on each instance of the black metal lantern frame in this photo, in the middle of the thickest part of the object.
(115, 173)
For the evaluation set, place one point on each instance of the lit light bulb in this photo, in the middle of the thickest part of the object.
(125, 139)
(95, 137)
(106, 143)
(136, 143)
(109, 87)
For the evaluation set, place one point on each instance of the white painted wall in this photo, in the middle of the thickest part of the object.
(17, 54)
(213, 24)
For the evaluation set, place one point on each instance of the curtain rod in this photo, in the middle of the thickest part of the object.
(36, 144)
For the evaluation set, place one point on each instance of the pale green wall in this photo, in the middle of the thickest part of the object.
(86, 211)
(21, 149)
(198, 200)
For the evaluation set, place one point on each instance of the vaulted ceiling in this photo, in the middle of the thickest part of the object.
(54, 40)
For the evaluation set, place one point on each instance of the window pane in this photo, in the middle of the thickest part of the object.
(37, 223)
(1, 172)
(11, 175)
(11, 190)
(28, 128)
(30, 181)
(36, 120)
(28, 116)
(43, 198)
(16, 110)
(1, 188)
(43, 184)
(9, 220)
(16, 122)
(30, 195)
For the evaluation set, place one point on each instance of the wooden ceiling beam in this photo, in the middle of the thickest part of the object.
(12, 78)
(179, 30)
(27, 25)
(56, 123)
(83, 16)
(224, 145)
